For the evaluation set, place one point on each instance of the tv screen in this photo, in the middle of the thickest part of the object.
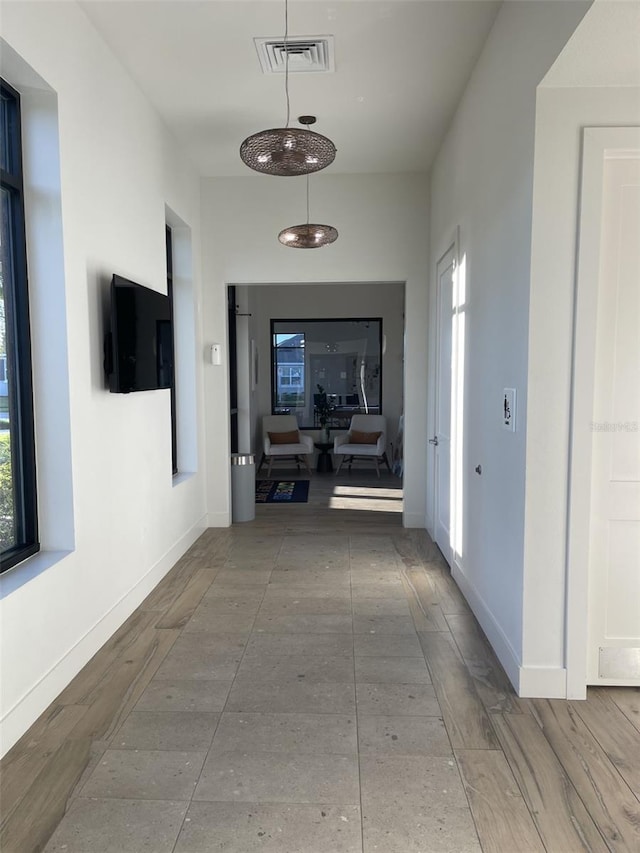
(139, 348)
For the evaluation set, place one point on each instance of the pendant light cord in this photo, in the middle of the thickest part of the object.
(307, 198)
(286, 59)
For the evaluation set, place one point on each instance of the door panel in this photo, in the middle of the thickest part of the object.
(444, 387)
(614, 552)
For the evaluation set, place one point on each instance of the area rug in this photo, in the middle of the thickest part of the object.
(282, 491)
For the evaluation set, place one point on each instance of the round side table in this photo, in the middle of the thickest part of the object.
(325, 463)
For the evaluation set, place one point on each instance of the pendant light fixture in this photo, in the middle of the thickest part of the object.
(287, 151)
(309, 235)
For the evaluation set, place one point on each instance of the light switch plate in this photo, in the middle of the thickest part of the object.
(509, 409)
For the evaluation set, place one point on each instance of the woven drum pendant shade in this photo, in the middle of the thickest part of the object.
(287, 151)
(308, 236)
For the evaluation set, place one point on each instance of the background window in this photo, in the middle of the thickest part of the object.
(337, 360)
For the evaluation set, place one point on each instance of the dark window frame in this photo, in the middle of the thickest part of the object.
(18, 336)
(174, 407)
(232, 314)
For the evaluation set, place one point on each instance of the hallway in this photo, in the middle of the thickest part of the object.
(313, 682)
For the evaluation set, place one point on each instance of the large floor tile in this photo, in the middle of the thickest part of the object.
(413, 804)
(253, 828)
(231, 575)
(118, 826)
(326, 542)
(207, 620)
(304, 604)
(230, 594)
(381, 576)
(405, 699)
(145, 775)
(303, 624)
(309, 577)
(265, 667)
(254, 563)
(386, 645)
(392, 670)
(401, 735)
(302, 644)
(206, 656)
(369, 589)
(322, 698)
(377, 542)
(373, 561)
(217, 602)
(383, 625)
(184, 695)
(280, 592)
(380, 607)
(259, 777)
(254, 551)
(313, 562)
(181, 730)
(290, 732)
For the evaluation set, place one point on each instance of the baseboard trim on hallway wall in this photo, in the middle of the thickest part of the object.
(218, 519)
(28, 708)
(543, 682)
(497, 638)
(412, 519)
(430, 526)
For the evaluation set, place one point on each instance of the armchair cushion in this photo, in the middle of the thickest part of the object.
(292, 437)
(356, 437)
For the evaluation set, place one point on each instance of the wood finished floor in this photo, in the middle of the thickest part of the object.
(271, 695)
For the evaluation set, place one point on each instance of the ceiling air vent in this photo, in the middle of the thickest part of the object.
(309, 54)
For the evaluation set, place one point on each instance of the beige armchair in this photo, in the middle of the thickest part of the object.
(366, 439)
(281, 439)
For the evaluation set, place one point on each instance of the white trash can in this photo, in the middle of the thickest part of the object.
(243, 487)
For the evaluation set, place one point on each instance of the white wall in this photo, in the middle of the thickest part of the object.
(374, 299)
(561, 115)
(382, 220)
(482, 181)
(128, 521)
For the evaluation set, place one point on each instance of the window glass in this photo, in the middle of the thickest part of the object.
(7, 519)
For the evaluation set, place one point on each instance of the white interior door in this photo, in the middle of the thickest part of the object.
(441, 441)
(614, 535)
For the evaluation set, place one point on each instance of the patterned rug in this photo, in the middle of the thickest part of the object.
(282, 491)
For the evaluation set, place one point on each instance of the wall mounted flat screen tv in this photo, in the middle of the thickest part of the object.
(139, 347)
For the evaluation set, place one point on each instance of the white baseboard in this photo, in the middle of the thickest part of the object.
(219, 519)
(543, 682)
(528, 681)
(24, 713)
(412, 519)
(430, 526)
(499, 641)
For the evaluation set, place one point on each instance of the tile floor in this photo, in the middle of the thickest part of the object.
(294, 714)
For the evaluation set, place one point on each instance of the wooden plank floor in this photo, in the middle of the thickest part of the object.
(538, 774)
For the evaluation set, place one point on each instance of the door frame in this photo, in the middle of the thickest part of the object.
(599, 144)
(452, 246)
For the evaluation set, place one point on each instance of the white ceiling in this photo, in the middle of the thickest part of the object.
(401, 68)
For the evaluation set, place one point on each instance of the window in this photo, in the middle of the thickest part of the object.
(174, 419)
(18, 505)
(288, 365)
(336, 361)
